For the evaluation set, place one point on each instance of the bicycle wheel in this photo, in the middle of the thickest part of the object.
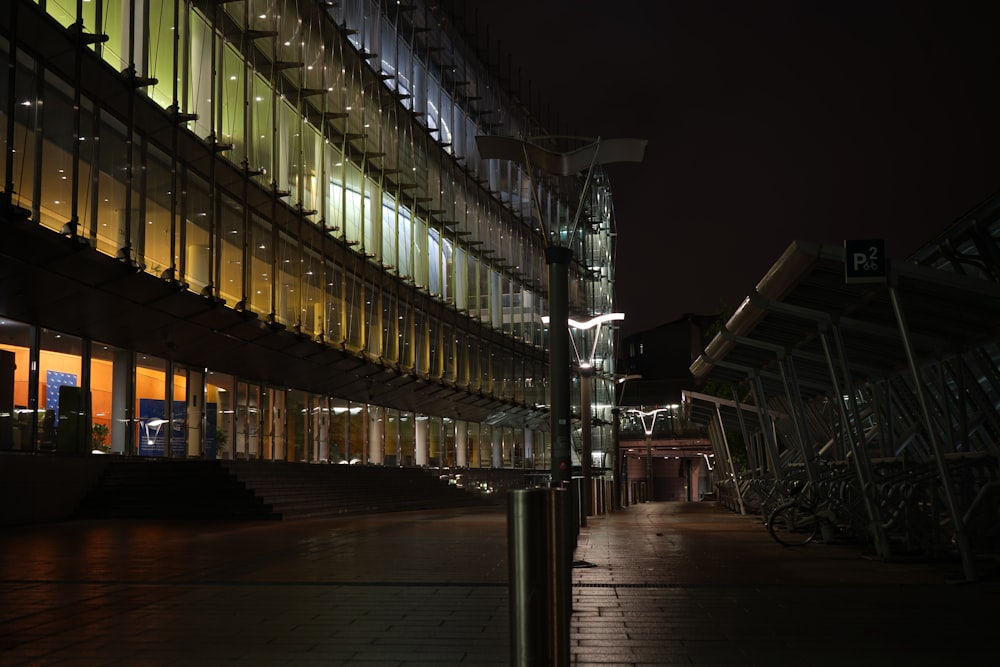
(791, 525)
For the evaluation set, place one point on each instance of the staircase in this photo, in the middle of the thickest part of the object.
(165, 489)
(306, 490)
(139, 488)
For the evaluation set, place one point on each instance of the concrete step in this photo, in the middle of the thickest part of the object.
(169, 488)
(137, 488)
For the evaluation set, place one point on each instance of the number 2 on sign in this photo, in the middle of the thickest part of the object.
(867, 262)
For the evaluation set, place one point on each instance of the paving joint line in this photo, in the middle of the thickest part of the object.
(210, 582)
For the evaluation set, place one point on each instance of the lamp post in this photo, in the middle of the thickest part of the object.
(585, 366)
(649, 458)
(586, 372)
(616, 471)
(558, 256)
(648, 430)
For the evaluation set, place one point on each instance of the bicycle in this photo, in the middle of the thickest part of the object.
(794, 523)
(763, 495)
(834, 513)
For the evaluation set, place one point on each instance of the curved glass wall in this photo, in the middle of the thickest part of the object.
(321, 172)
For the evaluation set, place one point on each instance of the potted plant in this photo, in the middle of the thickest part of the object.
(221, 438)
(98, 438)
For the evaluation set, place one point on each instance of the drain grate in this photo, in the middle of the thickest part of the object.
(610, 585)
(665, 586)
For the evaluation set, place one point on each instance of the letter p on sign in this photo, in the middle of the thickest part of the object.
(865, 261)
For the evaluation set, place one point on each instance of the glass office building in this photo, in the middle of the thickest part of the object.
(261, 229)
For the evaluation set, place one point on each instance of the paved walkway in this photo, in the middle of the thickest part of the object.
(690, 583)
(670, 583)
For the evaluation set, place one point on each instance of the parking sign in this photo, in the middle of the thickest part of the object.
(865, 261)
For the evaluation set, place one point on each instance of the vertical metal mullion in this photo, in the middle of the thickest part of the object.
(168, 408)
(8, 186)
(86, 404)
(246, 291)
(128, 252)
(246, 288)
(129, 418)
(179, 95)
(74, 220)
(38, 135)
(300, 246)
(140, 240)
(34, 373)
(211, 289)
(174, 272)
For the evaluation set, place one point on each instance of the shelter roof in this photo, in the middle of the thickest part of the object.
(804, 308)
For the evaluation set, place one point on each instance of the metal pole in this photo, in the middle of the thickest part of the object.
(539, 590)
(586, 374)
(862, 464)
(529, 601)
(961, 537)
(649, 463)
(616, 465)
(766, 426)
(560, 554)
(729, 463)
(558, 258)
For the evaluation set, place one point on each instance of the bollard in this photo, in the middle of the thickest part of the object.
(539, 577)
(577, 487)
(563, 544)
(579, 515)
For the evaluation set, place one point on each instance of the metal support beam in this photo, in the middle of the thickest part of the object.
(767, 427)
(964, 547)
(558, 259)
(586, 449)
(730, 465)
(796, 409)
(862, 464)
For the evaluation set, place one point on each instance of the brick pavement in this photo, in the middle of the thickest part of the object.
(689, 583)
(670, 583)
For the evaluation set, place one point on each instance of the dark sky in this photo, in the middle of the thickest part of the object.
(767, 122)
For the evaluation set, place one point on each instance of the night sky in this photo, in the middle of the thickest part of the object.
(767, 122)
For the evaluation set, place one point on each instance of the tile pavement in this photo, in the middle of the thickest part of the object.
(689, 583)
(667, 583)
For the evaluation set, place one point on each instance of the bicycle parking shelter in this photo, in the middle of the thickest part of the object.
(892, 383)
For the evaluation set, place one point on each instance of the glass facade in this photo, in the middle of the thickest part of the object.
(313, 168)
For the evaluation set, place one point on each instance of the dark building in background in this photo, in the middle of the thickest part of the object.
(664, 457)
(662, 356)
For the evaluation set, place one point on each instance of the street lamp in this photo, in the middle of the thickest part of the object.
(648, 429)
(560, 163)
(616, 471)
(585, 366)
